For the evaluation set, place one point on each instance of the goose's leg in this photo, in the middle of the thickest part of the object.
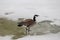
(29, 30)
(26, 30)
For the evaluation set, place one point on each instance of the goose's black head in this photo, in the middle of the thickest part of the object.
(36, 15)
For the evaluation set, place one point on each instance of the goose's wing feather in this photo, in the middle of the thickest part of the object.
(28, 22)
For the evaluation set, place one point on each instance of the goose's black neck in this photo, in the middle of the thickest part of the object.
(34, 18)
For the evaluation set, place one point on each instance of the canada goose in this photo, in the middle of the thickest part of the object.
(28, 23)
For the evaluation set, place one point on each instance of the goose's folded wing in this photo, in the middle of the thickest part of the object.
(29, 22)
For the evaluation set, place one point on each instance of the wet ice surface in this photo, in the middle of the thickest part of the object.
(35, 37)
(42, 37)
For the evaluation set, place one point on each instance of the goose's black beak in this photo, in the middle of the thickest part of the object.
(37, 15)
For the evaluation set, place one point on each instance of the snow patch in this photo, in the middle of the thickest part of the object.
(8, 37)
